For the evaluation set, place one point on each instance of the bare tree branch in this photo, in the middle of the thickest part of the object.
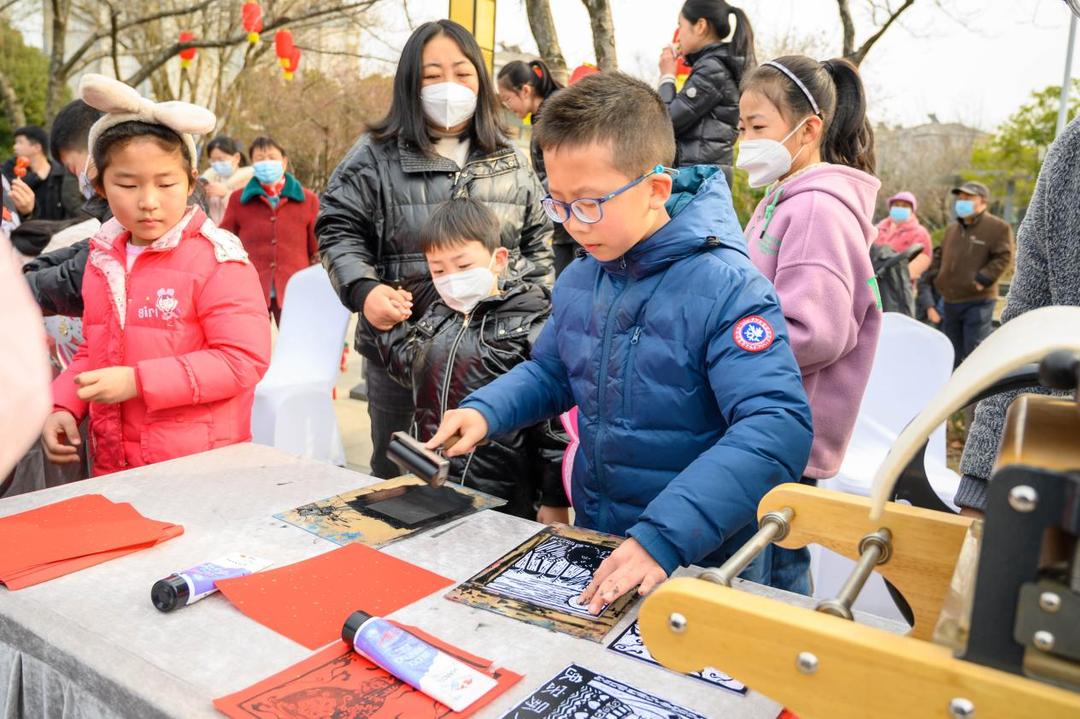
(162, 57)
(877, 10)
(346, 53)
(65, 68)
(860, 54)
(113, 15)
(10, 3)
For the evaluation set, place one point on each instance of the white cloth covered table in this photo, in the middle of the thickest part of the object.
(91, 645)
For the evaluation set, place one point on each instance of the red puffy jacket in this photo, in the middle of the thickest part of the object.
(191, 320)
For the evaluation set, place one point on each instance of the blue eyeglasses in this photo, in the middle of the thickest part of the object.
(590, 210)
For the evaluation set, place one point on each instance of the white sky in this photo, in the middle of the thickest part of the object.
(973, 62)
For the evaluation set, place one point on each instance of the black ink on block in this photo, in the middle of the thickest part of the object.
(413, 506)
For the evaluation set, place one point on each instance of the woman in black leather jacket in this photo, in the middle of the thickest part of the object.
(717, 41)
(441, 139)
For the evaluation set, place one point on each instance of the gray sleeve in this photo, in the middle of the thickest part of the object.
(1030, 290)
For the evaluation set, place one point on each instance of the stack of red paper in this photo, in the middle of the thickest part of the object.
(61, 538)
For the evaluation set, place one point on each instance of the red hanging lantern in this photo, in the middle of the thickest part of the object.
(186, 56)
(293, 63)
(583, 70)
(283, 47)
(253, 20)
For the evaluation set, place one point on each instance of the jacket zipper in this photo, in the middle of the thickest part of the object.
(450, 365)
(628, 368)
(605, 353)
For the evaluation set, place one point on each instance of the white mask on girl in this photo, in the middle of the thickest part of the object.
(448, 104)
(767, 160)
(462, 291)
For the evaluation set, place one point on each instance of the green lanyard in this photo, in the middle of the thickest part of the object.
(769, 209)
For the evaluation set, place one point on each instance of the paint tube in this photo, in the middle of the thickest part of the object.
(412, 660)
(189, 586)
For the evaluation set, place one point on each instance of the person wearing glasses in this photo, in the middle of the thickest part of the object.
(669, 341)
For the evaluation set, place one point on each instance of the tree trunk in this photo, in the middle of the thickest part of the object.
(13, 108)
(57, 78)
(849, 27)
(603, 33)
(547, 40)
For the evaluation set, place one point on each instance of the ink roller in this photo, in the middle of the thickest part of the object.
(412, 456)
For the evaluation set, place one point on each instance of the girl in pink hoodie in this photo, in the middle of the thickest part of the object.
(805, 136)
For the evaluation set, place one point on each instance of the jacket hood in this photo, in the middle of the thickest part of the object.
(702, 217)
(856, 189)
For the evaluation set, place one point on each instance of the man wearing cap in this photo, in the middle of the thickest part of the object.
(974, 253)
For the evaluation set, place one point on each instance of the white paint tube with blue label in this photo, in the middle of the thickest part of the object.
(189, 586)
(412, 660)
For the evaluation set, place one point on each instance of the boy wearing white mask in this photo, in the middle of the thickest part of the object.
(806, 137)
(481, 327)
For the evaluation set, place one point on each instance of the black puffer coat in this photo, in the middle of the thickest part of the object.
(383, 192)
(55, 278)
(446, 355)
(705, 112)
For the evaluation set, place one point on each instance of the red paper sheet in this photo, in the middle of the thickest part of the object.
(309, 601)
(337, 682)
(64, 537)
(45, 572)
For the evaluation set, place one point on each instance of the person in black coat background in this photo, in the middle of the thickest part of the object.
(480, 328)
(441, 139)
(523, 89)
(718, 42)
(56, 191)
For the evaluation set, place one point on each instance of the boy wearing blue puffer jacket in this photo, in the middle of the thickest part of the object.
(672, 345)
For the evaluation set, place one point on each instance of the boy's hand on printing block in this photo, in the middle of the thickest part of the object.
(61, 438)
(468, 423)
(108, 385)
(627, 567)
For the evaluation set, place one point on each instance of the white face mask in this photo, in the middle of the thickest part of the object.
(766, 160)
(462, 291)
(448, 104)
(85, 186)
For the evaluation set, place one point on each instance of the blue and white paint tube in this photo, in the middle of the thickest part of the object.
(412, 660)
(189, 586)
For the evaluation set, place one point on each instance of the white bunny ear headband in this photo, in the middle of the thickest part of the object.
(122, 103)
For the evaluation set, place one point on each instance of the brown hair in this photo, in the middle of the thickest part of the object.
(611, 108)
(120, 136)
(836, 87)
(458, 221)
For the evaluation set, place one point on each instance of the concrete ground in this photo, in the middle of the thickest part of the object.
(352, 414)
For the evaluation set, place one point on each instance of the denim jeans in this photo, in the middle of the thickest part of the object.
(787, 569)
(967, 324)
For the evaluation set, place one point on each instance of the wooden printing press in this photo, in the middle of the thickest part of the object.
(994, 604)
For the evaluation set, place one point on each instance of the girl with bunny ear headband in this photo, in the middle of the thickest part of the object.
(166, 292)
